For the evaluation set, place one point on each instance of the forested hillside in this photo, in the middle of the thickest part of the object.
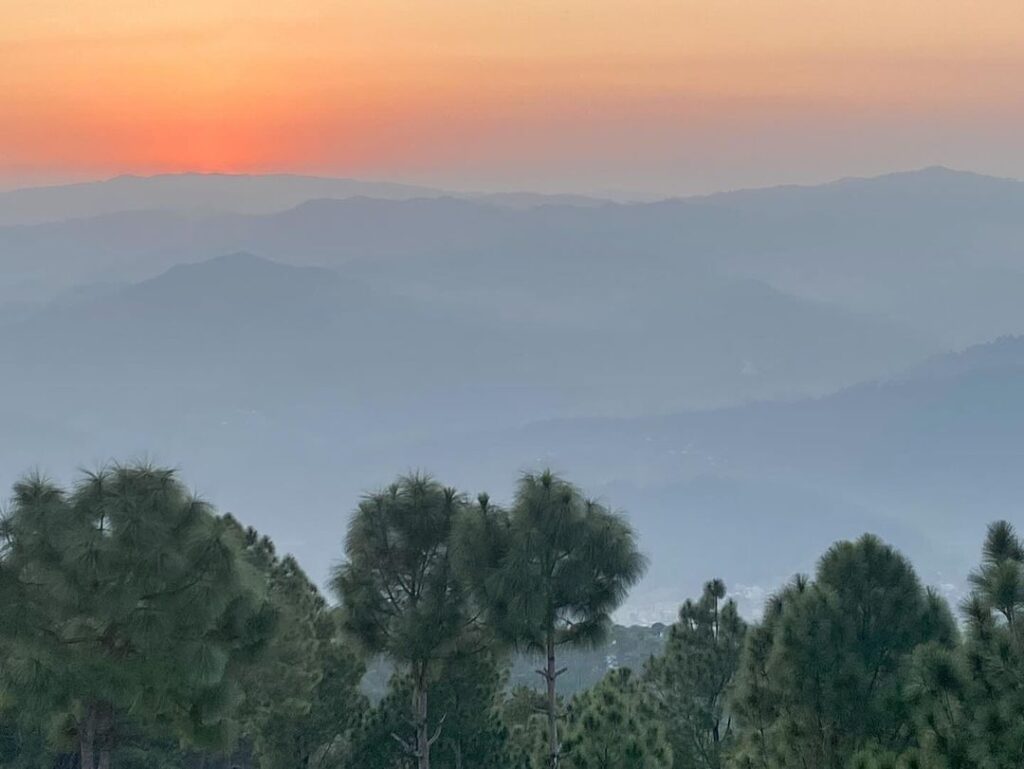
(142, 628)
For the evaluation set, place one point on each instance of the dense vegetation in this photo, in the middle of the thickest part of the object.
(140, 628)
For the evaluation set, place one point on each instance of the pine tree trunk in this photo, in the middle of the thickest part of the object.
(104, 732)
(85, 752)
(422, 734)
(550, 674)
(87, 738)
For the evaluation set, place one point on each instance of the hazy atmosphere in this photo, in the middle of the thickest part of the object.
(817, 360)
(367, 366)
(596, 96)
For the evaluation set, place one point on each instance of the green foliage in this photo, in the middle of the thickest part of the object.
(152, 755)
(614, 726)
(938, 693)
(398, 586)
(23, 743)
(690, 682)
(465, 713)
(994, 651)
(376, 741)
(524, 713)
(302, 702)
(466, 701)
(401, 594)
(875, 758)
(550, 572)
(566, 565)
(138, 629)
(126, 603)
(968, 701)
(823, 677)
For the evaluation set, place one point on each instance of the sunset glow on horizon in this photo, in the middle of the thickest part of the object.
(579, 94)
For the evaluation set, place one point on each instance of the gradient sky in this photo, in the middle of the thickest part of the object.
(593, 95)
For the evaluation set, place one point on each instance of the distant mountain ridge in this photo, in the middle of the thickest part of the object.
(198, 194)
(533, 335)
(702, 302)
(267, 380)
(191, 193)
(936, 181)
(1006, 352)
(926, 459)
(226, 193)
(700, 363)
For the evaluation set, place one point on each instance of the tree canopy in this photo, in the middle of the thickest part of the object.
(127, 603)
(139, 629)
(823, 676)
(553, 570)
(400, 590)
(614, 726)
(690, 683)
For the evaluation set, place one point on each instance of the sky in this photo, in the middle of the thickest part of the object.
(665, 96)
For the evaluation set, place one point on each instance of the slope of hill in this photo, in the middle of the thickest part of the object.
(926, 460)
(705, 340)
(937, 252)
(275, 383)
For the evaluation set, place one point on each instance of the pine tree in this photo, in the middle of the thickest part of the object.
(303, 701)
(941, 696)
(523, 713)
(400, 592)
(690, 682)
(968, 702)
(823, 678)
(467, 694)
(465, 699)
(550, 573)
(126, 603)
(614, 726)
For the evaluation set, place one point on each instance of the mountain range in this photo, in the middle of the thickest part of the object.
(787, 365)
(203, 194)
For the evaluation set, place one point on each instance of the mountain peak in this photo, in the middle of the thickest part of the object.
(1002, 353)
(241, 271)
(936, 173)
(240, 259)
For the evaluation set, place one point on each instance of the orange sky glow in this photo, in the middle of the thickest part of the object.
(678, 96)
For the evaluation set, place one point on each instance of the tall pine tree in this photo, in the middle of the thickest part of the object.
(691, 681)
(400, 592)
(550, 572)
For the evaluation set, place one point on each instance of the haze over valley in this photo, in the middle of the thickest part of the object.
(793, 363)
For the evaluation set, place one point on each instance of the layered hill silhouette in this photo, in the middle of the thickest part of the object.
(187, 193)
(936, 251)
(699, 362)
(925, 459)
(198, 194)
